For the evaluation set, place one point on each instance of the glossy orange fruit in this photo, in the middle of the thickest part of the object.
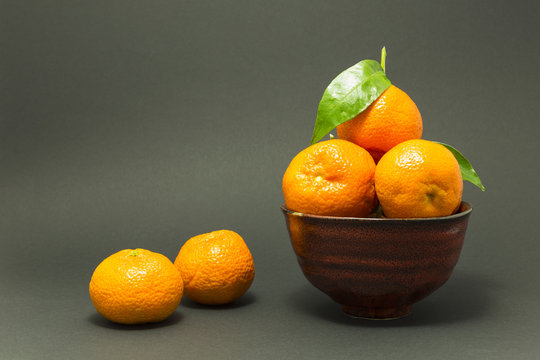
(418, 179)
(136, 286)
(217, 267)
(388, 121)
(333, 177)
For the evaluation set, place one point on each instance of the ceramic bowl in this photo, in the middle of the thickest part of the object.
(376, 268)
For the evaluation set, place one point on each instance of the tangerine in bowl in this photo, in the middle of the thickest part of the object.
(376, 268)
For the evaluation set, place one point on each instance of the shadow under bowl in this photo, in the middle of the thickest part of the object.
(376, 268)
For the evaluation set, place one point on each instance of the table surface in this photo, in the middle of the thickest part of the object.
(131, 124)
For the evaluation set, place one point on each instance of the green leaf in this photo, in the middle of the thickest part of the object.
(467, 171)
(350, 93)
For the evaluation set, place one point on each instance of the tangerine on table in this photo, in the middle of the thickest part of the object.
(391, 119)
(417, 179)
(217, 267)
(333, 177)
(136, 286)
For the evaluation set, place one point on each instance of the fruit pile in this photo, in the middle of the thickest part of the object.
(379, 166)
(139, 286)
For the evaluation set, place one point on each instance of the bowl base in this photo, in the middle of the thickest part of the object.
(376, 313)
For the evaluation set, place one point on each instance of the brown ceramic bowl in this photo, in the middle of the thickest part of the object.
(377, 268)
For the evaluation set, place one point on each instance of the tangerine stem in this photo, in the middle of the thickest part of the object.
(383, 59)
(134, 253)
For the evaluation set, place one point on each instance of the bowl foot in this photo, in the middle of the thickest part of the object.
(376, 313)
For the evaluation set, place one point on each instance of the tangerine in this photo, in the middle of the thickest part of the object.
(333, 177)
(217, 267)
(136, 286)
(391, 119)
(418, 179)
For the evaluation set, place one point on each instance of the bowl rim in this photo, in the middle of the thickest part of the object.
(465, 204)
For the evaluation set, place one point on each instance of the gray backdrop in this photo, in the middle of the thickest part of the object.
(130, 124)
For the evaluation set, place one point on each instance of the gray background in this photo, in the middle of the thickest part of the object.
(140, 124)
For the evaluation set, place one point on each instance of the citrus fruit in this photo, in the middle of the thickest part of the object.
(417, 179)
(391, 119)
(217, 267)
(333, 177)
(136, 286)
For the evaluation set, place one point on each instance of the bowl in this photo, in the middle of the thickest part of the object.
(376, 268)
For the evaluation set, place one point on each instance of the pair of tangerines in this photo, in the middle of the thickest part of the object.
(141, 286)
(379, 156)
